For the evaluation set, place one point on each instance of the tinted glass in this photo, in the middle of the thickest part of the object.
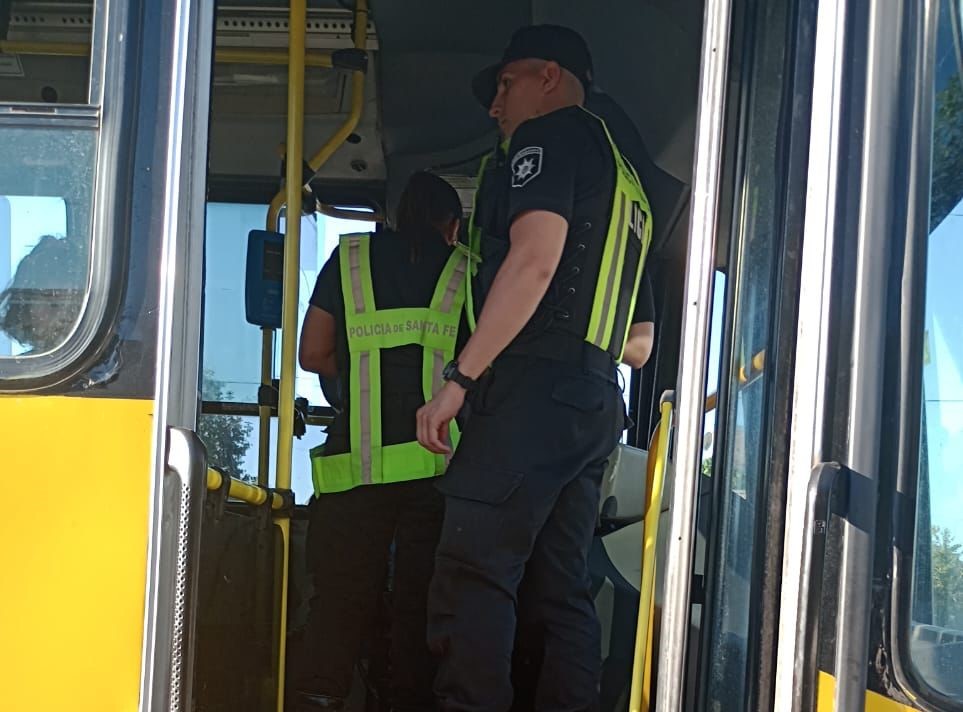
(46, 179)
(232, 346)
(46, 58)
(937, 607)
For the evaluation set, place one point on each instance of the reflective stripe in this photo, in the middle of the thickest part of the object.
(615, 287)
(354, 264)
(370, 331)
(604, 332)
(454, 284)
(474, 243)
(364, 416)
(615, 290)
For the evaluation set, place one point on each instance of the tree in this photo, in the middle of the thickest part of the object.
(226, 437)
(947, 577)
(947, 151)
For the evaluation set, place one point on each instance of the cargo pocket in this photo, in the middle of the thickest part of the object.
(582, 394)
(478, 482)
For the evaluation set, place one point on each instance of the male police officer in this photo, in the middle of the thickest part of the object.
(563, 228)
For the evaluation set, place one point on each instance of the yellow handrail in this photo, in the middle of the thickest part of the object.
(264, 411)
(347, 128)
(241, 55)
(252, 494)
(223, 55)
(644, 640)
(297, 32)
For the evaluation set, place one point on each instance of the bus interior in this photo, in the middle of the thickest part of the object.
(415, 110)
(417, 113)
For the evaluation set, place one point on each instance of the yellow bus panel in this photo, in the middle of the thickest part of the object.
(874, 702)
(74, 533)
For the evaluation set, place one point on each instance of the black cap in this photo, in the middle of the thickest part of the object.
(550, 42)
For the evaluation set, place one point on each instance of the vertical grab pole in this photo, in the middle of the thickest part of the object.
(292, 253)
(639, 694)
(690, 396)
(263, 411)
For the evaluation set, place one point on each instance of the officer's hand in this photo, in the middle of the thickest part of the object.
(435, 416)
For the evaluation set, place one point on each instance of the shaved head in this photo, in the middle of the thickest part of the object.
(532, 87)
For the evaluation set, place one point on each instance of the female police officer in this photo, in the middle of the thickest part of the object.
(563, 230)
(384, 319)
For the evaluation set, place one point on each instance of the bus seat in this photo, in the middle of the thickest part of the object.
(623, 486)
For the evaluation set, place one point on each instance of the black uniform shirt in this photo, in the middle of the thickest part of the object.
(561, 163)
(398, 283)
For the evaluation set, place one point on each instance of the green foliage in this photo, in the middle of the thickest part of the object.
(226, 437)
(947, 576)
(707, 467)
(947, 151)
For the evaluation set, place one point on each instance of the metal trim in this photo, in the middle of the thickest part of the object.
(188, 46)
(50, 116)
(187, 477)
(881, 113)
(101, 42)
(913, 299)
(328, 28)
(812, 331)
(819, 495)
(108, 227)
(700, 273)
(183, 490)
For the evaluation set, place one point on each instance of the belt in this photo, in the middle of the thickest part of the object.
(569, 349)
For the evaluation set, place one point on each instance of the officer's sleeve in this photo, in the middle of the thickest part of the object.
(327, 289)
(542, 161)
(644, 301)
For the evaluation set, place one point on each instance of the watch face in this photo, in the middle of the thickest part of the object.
(449, 369)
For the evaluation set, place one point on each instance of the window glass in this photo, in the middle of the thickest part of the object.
(45, 197)
(231, 443)
(30, 68)
(937, 607)
(712, 375)
(741, 471)
(232, 346)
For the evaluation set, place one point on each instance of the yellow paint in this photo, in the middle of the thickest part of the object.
(639, 690)
(243, 491)
(74, 558)
(874, 702)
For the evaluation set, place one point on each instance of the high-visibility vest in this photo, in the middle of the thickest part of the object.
(370, 331)
(627, 243)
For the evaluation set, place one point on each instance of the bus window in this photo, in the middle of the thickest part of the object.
(45, 52)
(44, 237)
(712, 374)
(232, 348)
(936, 637)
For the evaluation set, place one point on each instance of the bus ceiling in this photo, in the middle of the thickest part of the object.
(419, 110)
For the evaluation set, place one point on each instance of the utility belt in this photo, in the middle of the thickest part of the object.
(566, 348)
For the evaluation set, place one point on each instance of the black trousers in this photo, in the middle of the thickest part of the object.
(522, 499)
(349, 539)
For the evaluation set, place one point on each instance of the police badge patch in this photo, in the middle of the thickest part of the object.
(526, 165)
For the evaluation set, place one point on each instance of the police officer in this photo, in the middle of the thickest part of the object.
(384, 319)
(563, 228)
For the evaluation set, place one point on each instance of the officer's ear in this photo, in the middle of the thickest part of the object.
(551, 76)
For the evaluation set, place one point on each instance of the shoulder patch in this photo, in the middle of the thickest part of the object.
(526, 165)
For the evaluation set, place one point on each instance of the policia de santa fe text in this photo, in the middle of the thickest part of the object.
(562, 227)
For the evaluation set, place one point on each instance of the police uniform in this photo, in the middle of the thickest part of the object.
(373, 483)
(522, 489)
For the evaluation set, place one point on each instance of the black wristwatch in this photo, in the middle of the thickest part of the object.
(451, 373)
